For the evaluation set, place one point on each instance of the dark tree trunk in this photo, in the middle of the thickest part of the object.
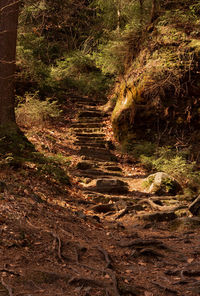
(8, 37)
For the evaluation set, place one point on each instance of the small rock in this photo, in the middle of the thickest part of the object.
(194, 207)
(162, 184)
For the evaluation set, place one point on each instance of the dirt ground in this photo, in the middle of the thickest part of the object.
(55, 241)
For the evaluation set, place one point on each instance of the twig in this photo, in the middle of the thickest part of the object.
(7, 287)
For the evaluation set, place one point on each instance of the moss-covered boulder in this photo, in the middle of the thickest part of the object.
(161, 184)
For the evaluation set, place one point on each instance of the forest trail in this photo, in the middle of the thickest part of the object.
(109, 239)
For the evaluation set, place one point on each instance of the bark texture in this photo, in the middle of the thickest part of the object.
(8, 37)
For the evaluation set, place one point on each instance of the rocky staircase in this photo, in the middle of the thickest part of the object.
(99, 167)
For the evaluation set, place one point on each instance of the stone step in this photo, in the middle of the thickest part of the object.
(86, 104)
(87, 125)
(90, 120)
(84, 130)
(108, 186)
(88, 135)
(92, 154)
(113, 168)
(95, 174)
(89, 145)
(89, 108)
(90, 141)
(90, 114)
(100, 157)
(101, 150)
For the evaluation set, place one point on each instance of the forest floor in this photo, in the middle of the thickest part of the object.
(103, 235)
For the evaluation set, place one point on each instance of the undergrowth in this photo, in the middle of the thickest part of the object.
(31, 111)
(168, 160)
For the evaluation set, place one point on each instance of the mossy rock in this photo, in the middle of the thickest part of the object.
(161, 184)
(123, 114)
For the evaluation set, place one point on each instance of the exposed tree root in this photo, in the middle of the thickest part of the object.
(106, 256)
(7, 287)
(140, 243)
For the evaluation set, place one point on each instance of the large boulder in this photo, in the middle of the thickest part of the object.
(161, 184)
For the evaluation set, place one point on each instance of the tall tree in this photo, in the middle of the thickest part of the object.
(8, 36)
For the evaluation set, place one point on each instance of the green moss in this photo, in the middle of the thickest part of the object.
(147, 183)
(124, 112)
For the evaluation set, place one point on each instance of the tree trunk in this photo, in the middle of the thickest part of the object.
(8, 37)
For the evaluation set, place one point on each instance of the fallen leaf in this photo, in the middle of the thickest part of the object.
(146, 293)
(190, 260)
(126, 281)
(142, 263)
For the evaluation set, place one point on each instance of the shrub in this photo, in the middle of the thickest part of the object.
(36, 112)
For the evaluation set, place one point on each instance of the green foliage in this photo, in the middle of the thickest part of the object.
(32, 111)
(148, 181)
(166, 159)
(109, 58)
(138, 149)
(174, 163)
(78, 71)
(118, 14)
(195, 9)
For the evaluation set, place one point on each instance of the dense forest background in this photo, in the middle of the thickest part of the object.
(99, 147)
(142, 55)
